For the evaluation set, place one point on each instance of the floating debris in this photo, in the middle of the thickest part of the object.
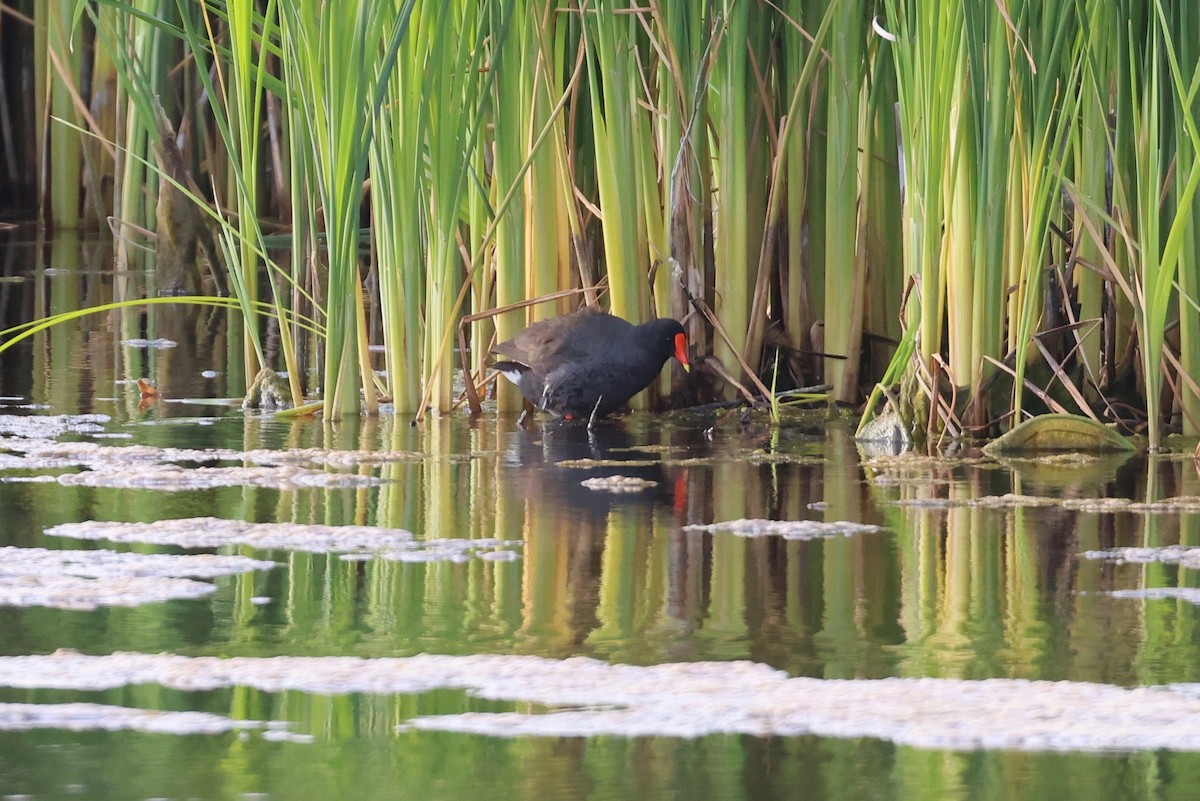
(105, 717)
(1007, 501)
(43, 454)
(591, 464)
(69, 592)
(788, 529)
(212, 532)
(48, 426)
(500, 556)
(931, 503)
(618, 483)
(152, 344)
(452, 550)
(912, 462)
(650, 449)
(692, 699)
(1178, 504)
(328, 458)
(170, 478)
(48, 454)
(89, 579)
(1189, 594)
(1013, 501)
(1182, 555)
(1097, 505)
(359, 543)
(760, 456)
(678, 461)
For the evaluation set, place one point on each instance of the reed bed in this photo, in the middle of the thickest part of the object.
(984, 209)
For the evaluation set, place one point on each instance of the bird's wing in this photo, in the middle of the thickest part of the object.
(548, 345)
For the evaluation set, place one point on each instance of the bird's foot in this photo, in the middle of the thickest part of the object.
(596, 408)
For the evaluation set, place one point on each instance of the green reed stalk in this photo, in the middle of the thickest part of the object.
(1184, 28)
(611, 38)
(512, 59)
(666, 129)
(64, 51)
(480, 277)
(798, 93)
(42, 75)
(1148, 165)
(249, 37)
(740, 171)
(337, 62)
(926, 54)
(158, 48)
(1044, 115)
(651, 225)
(135, 189)
(802, 285)
(126, 203)
(1159, 267)
(1093, 148)
(99, 157)
(1130, 21)
(883, 232)
(234, 80)
(547, 240)
(11, 336)
(453, 98)
(563, 58)
(987, 126)
(681, 38)
(959, 234)
(985, 163)
(396, 214)
(304, 276)
(843, 297)
(534, 231)
(136, 38)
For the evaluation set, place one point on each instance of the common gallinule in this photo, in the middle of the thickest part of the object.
(588, 363)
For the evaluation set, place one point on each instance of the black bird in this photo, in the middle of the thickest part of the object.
(588, 363)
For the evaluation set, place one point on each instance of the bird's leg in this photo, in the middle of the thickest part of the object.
(596, 408)
(521, 419)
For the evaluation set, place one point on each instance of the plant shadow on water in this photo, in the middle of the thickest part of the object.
(982, 570)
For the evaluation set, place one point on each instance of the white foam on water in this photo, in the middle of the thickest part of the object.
(682, 699)
(89, 579)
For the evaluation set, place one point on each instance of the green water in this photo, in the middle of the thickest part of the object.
(967, 593)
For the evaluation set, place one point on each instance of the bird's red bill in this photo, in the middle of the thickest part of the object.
(681, 350)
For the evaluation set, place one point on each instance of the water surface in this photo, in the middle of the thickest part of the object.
(951, 590)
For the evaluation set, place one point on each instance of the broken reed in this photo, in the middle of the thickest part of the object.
(797, 170)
